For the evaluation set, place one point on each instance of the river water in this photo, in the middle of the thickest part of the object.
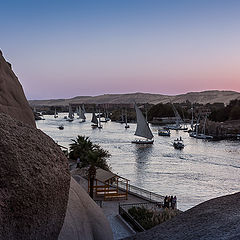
(201, 171)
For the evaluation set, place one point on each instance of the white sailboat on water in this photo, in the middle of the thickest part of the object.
(143, 129)
(99, 119)
(179, 120)
(81, 114)
(203, 134)
(126, 123)
(70, 114)
(55, 113)
(94, 120)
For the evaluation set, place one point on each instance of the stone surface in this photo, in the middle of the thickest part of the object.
(217, 218)
(34, 183)
(12, 99)
(84, 218)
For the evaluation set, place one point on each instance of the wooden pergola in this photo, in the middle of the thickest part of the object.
(106, 184)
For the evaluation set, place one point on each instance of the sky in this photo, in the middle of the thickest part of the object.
(67, 48)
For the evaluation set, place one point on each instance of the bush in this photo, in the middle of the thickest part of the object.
(150, 218)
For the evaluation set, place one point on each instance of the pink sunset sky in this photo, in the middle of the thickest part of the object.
(64, 49)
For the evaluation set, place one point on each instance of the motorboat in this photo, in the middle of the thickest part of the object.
(178, 143)
(164, 132)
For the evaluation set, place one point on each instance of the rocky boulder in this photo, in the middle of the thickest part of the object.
(12, 99)
(84, 218)
(211, 220)
(34, 182)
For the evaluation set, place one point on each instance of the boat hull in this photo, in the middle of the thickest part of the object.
(143, 141)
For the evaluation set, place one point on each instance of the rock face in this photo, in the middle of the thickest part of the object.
(12, 99)
(84, 219)
(214, 219)
(34, 183)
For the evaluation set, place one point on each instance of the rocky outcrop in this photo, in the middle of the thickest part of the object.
(34, 183)
(84, 219)
(12, 99)
(214, 219)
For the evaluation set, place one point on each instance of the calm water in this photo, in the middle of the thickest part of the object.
(201, 171)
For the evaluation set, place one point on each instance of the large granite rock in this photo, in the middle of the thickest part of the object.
(215, 219)
(34, 183)
(84, 218)
(12, 99)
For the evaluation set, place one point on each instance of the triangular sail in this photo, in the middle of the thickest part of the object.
(81, 113)
(94, 118)
(77, 110)
(70, 113)
(192, 118)
(143, 129)
(83, 109)
(177, 115)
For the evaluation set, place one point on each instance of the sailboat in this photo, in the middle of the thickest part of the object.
(203, 134)
(192, 118)
(179, 120)
(143, 129)
(99, 119)
(81, 114)
(126, 124)
(83, 109)
(70, 114)
(94, 120)
(55, 114)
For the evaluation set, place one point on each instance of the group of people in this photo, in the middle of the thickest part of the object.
(170, 202)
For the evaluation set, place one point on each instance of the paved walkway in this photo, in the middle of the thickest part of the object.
(110, 209)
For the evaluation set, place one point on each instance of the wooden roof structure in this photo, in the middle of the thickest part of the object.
(107, 183)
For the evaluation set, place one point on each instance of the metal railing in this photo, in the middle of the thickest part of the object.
(123, 211)
(134, 224)
(145, 194)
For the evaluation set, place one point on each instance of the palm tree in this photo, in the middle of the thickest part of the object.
(89, 153)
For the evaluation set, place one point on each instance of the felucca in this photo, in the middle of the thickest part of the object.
(94, 120)
(143, 129)
(81, 114)
(70, 114)
(55, 113)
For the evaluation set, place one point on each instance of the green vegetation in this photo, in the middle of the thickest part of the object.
(150, 218)
(230, 112)
(166, 110)
(90, 154)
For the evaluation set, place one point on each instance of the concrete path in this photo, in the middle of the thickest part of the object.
(110, 209)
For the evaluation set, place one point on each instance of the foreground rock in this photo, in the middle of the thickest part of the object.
(84, 219)
(218, 218)
(34, 183)
(12, 99)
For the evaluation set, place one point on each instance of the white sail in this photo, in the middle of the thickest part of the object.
(192, 118)
(70, 113)
(83, 109)
(177, 115)
(77, 110)
(81, 114)
(99, 119)
(143, 129)
(94, 118)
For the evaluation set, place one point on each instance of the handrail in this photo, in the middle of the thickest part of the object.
(140, 192)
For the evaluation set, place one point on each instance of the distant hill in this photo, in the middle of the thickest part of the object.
(195, 97)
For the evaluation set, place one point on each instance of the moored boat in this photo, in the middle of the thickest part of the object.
(164, 132)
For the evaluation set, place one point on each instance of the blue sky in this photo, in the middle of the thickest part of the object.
(62, 49)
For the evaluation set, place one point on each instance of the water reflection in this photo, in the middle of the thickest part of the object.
(142, 158)
(202, 170)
